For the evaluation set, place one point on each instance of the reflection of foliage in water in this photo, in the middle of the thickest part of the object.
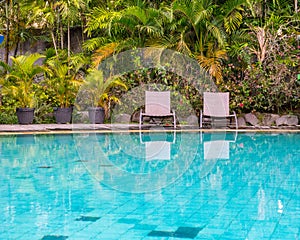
(34, 163)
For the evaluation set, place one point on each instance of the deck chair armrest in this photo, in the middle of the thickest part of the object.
(232, 114)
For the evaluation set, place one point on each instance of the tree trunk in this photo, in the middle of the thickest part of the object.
(54, 42)
(69, 41)
(61, 32)
(7, 32)
(69, 46)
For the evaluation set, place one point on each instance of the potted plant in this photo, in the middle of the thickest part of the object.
(62, 83)
(99, 94)
(19, 84)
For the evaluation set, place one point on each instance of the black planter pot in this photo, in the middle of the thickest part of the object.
(25, 115)
(63, 115)
(96, 115)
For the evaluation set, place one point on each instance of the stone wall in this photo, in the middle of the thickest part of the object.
(40, 46)
(267, 120)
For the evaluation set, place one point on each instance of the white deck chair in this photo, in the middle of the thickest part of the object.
(157, 105)
(216, 109)
(158, 147)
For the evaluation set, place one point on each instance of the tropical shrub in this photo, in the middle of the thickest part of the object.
(98, 91)
(63, 77)
(20, 79)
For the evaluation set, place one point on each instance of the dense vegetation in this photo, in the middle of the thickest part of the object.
(249, 47)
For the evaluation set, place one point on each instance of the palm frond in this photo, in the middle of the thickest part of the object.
(101, 18)
(212, 62)
(137, 12)
(103, 52)
(215, 31)
(168, 41)
(94, 43)
(232, 13)
(182, 46)
(233, 21)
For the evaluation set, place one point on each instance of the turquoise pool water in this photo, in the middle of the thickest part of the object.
(150, 186)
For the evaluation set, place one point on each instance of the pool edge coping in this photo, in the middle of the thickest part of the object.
(125, 128)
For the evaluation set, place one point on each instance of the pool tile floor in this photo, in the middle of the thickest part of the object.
(250, 200)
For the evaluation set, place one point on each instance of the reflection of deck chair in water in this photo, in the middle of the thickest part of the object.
(216, 146)
(158, 145)
(216, 110)
(157, 107)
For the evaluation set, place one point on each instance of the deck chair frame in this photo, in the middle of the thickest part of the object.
(157, 106)
(216, 109)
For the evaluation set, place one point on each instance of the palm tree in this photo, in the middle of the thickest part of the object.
(212, 62)
(45, 17)
(99, 88)
(99, 93)
(202, 29)
(19, 82)
(63, 78)
(127, 28)
(9, 19)
(70, 12)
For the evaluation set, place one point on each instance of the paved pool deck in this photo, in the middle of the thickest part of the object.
(58, 128)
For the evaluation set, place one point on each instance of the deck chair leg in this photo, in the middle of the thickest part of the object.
(201, 118)
(235, 119)
(141, 119)
(174, 120)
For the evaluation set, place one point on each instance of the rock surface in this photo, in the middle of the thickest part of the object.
(135, 117)
(251, 119)
(287, 120)
(241, 122)
(269, 119)
(122, 118)
(192, 120)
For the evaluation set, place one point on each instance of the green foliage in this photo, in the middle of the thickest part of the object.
(19, 83)
(8, 117)
(8, 111)
(44, 105)
(98, 91)
(262, 90)
(63, 79)
(250, 47)
(184, 93)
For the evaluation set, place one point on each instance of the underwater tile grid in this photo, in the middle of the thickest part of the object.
(108, 186)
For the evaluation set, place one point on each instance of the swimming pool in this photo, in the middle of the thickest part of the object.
(170, 185)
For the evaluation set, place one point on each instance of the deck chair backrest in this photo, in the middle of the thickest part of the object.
(157, 103)
(216, 104)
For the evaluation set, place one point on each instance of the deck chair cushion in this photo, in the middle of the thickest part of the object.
(216, 104)
(157, 103)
